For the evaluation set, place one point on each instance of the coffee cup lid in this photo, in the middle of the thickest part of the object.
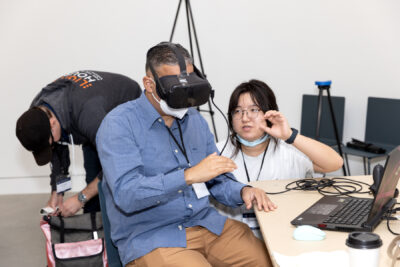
(363, 240)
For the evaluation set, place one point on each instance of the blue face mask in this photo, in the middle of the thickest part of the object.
(251, 143)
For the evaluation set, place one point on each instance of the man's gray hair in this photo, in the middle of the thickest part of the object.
(163, 54)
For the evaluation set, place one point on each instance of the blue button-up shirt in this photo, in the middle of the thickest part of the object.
(148, 201)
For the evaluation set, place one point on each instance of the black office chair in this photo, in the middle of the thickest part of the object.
(382, 129)
(112, 251)
(326, 131)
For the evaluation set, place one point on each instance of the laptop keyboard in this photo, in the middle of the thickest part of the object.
(351, 213)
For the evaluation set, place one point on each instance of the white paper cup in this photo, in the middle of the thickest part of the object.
(363, 248)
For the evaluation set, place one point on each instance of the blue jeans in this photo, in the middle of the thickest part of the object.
(92, 167)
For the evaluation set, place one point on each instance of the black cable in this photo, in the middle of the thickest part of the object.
(388, 225)
(388, 217)
(227, 123)
(343, 186)
(226, 120)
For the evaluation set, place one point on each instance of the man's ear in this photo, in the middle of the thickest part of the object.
(149, 84)
(53, 123)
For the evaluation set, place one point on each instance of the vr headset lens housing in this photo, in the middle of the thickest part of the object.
(184, 92)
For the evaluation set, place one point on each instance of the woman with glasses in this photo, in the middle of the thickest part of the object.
(264, 147)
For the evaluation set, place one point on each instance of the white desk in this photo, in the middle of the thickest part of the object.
(277, 230)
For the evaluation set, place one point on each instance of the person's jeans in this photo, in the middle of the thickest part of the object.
(92, 167)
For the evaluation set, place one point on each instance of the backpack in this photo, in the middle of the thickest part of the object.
(74, 241)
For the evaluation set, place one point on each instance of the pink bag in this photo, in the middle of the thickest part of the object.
(74, 241)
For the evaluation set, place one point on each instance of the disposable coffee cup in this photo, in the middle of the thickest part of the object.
(363, 248)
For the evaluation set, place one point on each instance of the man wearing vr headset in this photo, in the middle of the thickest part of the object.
(160, 164)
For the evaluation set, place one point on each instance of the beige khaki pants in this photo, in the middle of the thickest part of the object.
(236, 246)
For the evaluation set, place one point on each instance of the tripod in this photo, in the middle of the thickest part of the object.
(190, 25)
(326, 85)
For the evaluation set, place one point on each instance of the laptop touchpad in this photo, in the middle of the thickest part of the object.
(322, 209)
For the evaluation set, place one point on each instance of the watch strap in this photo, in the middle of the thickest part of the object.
(293, 136)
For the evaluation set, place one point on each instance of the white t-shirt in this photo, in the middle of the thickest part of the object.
(282, 161)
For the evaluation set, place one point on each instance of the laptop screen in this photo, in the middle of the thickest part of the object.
(388, 184)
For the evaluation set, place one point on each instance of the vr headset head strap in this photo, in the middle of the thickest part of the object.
(179, 56)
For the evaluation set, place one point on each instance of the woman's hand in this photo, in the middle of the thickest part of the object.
(280, 127)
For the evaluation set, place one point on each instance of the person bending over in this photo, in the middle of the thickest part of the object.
(160, 163)
(264, 147)
(69, 111)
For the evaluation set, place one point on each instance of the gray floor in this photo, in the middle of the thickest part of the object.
(22, 243)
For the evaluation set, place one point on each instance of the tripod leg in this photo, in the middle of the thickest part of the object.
(195, 37)
(190, 15)
(335, 128)
(175, 20)
(347, 164)
(189, 28)
(319, 112)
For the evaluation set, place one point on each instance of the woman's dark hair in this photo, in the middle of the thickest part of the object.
(261, 95)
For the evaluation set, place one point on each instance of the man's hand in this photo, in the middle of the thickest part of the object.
(71, 206)
(209, 168)
(280, 127)
(257, 196)
(55, 201)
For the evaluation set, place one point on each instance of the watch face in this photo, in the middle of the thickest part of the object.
(82, 198)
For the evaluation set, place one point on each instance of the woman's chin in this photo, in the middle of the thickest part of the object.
(250, 137)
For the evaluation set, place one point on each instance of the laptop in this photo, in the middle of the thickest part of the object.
(355, 214)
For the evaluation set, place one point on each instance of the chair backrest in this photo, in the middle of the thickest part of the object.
(309, 113)
(383, 122)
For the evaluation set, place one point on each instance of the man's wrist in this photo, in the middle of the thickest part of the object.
(82, 198)
(241, 190)
(188, 177)
(54, 192)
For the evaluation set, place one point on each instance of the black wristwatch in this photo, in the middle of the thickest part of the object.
(290, 140)
(82, 198)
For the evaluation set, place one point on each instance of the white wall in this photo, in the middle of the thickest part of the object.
(288, 44)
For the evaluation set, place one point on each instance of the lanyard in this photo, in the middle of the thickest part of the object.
(262, 163)
(181, 148)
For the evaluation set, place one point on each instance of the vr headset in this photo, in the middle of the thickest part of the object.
(183, 90)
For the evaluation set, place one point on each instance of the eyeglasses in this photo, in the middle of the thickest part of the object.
(251, 113)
